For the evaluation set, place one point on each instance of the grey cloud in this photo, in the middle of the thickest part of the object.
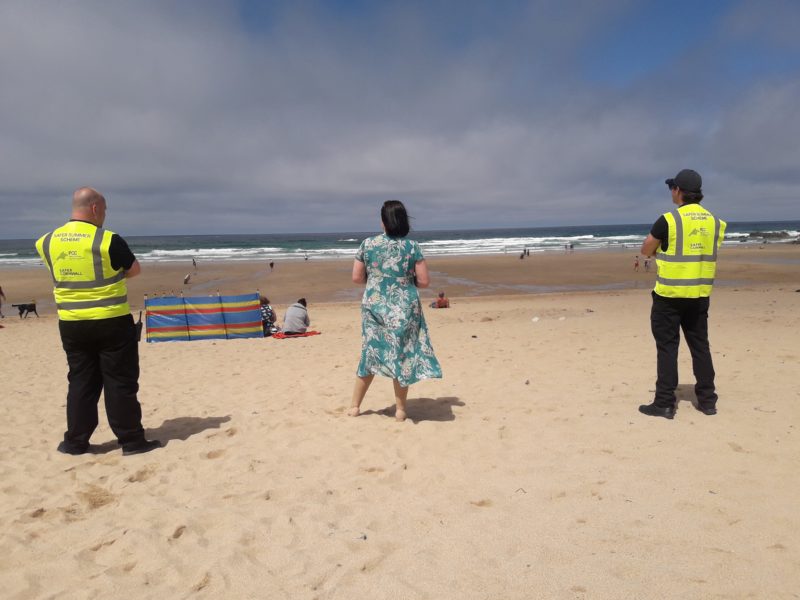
(773, 22)
(190, 125)
(758, 137)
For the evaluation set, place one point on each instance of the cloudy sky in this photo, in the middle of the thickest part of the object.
(260, 117)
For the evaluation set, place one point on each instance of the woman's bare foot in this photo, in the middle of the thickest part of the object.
(353, 411)
(400, 415)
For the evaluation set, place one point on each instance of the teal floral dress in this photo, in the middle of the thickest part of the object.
(394, 337)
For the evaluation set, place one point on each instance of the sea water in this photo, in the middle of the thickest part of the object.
(317, 246)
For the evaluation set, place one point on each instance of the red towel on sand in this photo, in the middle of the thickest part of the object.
(282, 336)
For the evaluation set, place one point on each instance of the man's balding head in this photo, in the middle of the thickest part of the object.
(89, 205)
(85, 197)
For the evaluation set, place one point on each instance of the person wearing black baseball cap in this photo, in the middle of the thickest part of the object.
(685, 243)
(687, 181)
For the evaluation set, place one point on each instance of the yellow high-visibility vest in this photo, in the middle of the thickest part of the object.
(688, 267)
(85, 286)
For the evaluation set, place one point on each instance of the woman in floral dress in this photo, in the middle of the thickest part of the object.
(394, 340)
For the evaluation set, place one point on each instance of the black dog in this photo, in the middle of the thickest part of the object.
(26, 309)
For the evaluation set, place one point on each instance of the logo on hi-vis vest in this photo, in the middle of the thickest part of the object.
(703, 233)
(69, 255)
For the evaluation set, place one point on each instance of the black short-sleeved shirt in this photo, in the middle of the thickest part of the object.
(660, 231)
(118, 252)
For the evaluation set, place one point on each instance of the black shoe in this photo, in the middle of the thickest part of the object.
(140, 447)
(707, 410)
(66, 449)
(652, 410)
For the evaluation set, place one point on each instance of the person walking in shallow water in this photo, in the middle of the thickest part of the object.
(394, 340)
(684, 242)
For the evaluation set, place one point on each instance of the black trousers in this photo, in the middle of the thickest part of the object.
(668, 317)
(103, 356)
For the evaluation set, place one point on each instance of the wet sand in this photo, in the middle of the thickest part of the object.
(329, 281)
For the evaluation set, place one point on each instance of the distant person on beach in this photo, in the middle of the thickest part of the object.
(271, 265)
(267, 316)
(636, 263)
(646, 264)
(194, 264)
(684, 242)
(2, 297)
(441, 301)
(89, 266)
(296, 318)
(394, 336)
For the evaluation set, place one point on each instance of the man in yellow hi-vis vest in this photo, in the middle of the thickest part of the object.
(685, 242)
(89, 266)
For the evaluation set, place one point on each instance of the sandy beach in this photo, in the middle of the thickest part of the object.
(526, 472)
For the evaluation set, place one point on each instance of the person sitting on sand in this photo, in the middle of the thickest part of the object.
(441, 301)
(267, 316)
(296, 318)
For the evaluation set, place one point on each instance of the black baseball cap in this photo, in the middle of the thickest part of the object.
(687, 180)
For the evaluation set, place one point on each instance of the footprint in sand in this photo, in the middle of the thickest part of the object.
(481, 503)
(231, 432)
(97, 547)
(71, 513)
(215, 453)
(178, 532)
(735, 447)
(776, 547)
(94, 496)
(202, 583)
(143, 474)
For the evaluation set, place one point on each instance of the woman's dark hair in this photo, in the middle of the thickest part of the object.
(395, 218)
(692, 197)
(302, 301)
